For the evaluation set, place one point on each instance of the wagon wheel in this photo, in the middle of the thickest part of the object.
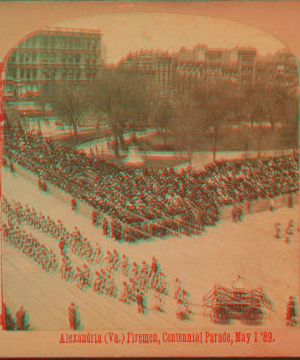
(253, 316)
(219, 315)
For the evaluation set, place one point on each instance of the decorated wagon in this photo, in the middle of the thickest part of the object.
(247, 305)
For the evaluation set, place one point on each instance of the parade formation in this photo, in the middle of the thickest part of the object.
(89, 268)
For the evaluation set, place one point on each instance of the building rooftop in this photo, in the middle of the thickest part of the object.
(69, 31)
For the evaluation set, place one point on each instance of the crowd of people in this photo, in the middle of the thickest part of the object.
(132, 205)
(78, 261)
(31, 247)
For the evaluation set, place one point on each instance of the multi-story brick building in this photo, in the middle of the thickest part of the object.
(52, 55)
(239, 65)
(156, 66)
(245, 62)
(142, 62)
(164, 70)
(213, 65)
(279, 68)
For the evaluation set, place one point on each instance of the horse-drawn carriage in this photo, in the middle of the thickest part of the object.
(228, 304)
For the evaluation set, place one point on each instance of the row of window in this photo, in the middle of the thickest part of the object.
(27, 74)
(212, 59)
(69, 74)
(12, 73)
(247, 60)
(32, 58)
(248, 69)
(61, 42)
(246, 79)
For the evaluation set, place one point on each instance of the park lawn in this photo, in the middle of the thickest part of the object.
(228, 140)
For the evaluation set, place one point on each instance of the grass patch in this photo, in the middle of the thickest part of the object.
(228, 140)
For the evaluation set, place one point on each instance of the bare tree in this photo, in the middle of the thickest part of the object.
(68, 101)
(279, 109)
(238, 106)
(259, 110)
(246, 137)
(163, 116)
(291, 120)
(140, 100)
(213, 105)
(123, 99)
(186, 125)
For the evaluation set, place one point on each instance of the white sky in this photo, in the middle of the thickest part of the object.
(134, 31)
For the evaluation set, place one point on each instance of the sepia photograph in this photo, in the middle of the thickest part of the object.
(149, 178)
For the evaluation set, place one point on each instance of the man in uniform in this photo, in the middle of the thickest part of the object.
(154, 267)
(239, 213)
(98, 254)
(72, 316)
(125, 294)
(234, 213)
(290, 226)
(272, 204)
(105, 227)
(277, 230)
(94, 217)
(73, 204)
(20, 315)
(290, 201)
(125, 265)
(177, 288)
(40, 184)
(292, 312)
(158, 301)
(139, 300)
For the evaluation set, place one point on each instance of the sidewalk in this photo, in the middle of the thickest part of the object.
(102, 144)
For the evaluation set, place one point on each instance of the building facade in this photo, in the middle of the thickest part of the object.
(181, 70)
(214, 65)
(277, 69)
(157, 67)
(52, 55)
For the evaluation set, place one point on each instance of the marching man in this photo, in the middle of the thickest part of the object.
(290, 227)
